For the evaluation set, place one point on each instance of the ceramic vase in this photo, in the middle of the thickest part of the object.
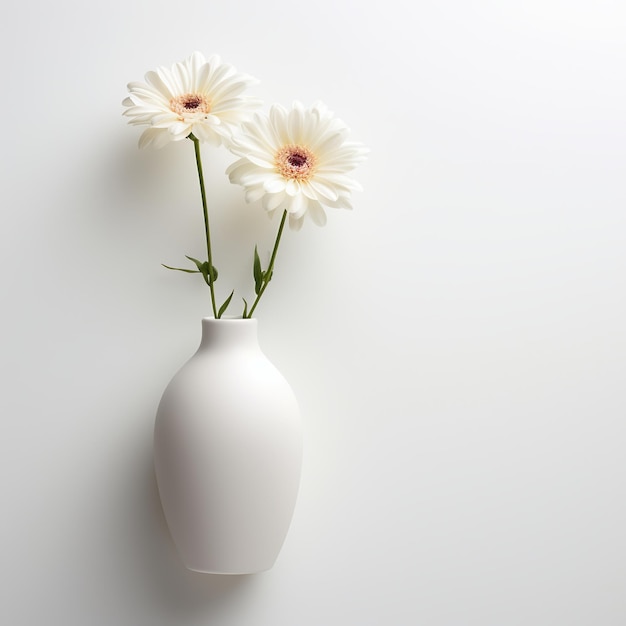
(228, 453)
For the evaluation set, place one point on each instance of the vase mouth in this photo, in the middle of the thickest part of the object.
(229, 319)
(228, 332)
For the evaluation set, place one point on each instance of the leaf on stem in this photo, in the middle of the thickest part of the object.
(208, 273)
(257, 272)
(225, 305)
(245, 309)
(180, 269)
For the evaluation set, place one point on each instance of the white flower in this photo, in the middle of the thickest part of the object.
(296, 161)
(196, 96)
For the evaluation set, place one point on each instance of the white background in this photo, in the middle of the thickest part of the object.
(457, 342)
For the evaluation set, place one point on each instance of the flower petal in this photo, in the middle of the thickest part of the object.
(254, 193)
(274, 184)
(298, 205)
(323, 190)
(272, 201)
(293, 187)
(296, 123)
(317, 213)
(295, 223)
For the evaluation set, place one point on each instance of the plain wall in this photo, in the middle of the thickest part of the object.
(457, 342)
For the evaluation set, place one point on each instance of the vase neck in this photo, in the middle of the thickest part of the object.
(228, 333)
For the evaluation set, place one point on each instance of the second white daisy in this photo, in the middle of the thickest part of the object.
(297, 161)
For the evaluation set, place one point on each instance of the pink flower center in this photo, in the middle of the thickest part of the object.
(190, 103)
(297, 162)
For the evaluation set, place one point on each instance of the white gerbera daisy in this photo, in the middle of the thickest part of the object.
(296, 161)
(196, 96)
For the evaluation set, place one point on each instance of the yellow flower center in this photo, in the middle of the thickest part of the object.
(297, 162)
(190, 103)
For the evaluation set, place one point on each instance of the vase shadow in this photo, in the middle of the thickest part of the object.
(173, 588)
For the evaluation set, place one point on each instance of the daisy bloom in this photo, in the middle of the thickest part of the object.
(198, 96)
(296, 161)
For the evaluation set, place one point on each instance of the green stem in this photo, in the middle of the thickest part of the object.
(270, 268)
(196, 145)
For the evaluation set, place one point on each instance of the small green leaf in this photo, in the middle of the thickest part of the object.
(203, 267)
(180, 269)
(199, 264)
(225, 305)
(245, 309)
(205, 275)
(257, 272)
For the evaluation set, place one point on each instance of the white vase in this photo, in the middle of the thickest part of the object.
(228, 453)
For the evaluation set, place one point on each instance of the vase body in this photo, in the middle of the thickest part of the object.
(228, 453)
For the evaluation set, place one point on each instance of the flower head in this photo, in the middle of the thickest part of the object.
(296, 160)
(196, 96)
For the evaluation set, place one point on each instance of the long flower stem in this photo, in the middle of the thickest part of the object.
(270, 267)
(207, 229)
